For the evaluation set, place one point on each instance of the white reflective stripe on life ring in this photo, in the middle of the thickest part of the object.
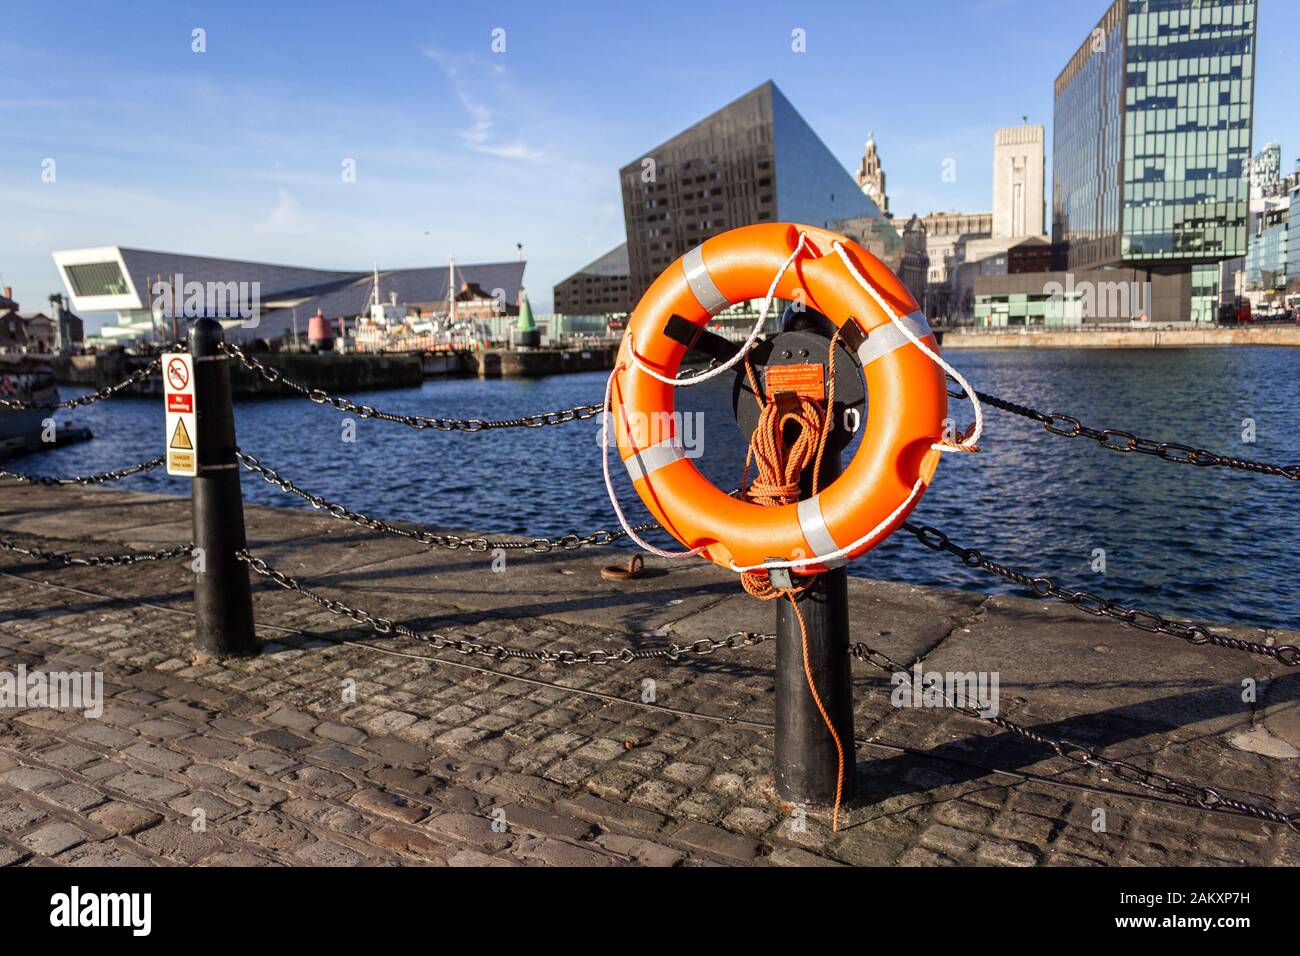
(815, 531)
(889, 337)
(646, 461)
(701, 283)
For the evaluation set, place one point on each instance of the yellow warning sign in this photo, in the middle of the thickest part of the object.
(180, 462)
(180, 437)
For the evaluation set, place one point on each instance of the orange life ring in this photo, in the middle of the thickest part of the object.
(908, 400)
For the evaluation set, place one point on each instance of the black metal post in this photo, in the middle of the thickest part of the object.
(223, 601)
(807, 762)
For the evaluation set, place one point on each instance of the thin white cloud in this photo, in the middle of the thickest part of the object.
(480, 136)
(282, 218)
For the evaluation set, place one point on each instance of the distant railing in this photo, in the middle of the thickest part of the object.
(1099, 327)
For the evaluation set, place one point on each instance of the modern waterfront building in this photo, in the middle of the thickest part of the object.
(1152, 142)
(1265, 169)
(755, 160)
(599, 287)
(120, 280)
(1150, 171)
(1266, 257)
(1266, 277)
(1293, 247)
(1117, 296)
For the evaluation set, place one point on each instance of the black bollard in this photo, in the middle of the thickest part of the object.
(807, 761)
(223, 601)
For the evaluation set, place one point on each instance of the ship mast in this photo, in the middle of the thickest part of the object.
(451, 290)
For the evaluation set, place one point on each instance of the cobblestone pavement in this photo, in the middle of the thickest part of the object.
(319, 752)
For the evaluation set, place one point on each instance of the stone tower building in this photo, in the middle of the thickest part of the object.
(871, 178)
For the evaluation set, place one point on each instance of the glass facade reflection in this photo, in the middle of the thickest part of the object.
(755, 160)
(1153, 129)
(1088, 144)
(1293, 247)
(1266, 260)
(1189, 81)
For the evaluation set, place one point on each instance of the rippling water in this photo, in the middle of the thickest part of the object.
(1200, 542)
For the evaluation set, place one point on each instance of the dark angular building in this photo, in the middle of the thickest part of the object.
(755, 160)
(598, 287)
(1152, 140)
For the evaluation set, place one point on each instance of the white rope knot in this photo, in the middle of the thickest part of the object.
(970, 438)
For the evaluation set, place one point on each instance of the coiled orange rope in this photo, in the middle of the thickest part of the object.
(776, 482)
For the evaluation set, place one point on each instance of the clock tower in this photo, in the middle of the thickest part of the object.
(871, 178)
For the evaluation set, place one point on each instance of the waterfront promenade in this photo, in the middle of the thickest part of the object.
(322, 752)
(1154, 338)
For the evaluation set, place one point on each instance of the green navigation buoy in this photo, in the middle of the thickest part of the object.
(526, 323)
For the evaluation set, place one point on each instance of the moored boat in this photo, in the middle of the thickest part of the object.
(30, 379)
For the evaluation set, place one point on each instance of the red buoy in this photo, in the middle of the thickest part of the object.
(320, 332)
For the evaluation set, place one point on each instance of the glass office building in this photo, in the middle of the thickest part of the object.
(1266, 261)
(1152, 140)
(1293, 247)
(1088, 146)
(755, 160)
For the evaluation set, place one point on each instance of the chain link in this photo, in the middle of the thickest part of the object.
(135, 378)
(501, 652)
(568, 542)
(419, 422)
(1204, 797)
(99, 479)
(97, 560)
(1112, 439)
(1143, 620)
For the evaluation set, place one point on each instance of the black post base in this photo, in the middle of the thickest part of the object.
(806, 758)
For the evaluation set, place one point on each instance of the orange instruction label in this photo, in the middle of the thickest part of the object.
(807, 381)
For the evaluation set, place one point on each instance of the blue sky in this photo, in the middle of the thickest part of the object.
(238, 151)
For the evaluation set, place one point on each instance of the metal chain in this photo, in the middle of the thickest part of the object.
(1112, 439)
(1143, 620)
(135, 378)
(381, 625)
(568, 542)
(419, 422)
(1206, 798)
(97, 560)
(98, 479)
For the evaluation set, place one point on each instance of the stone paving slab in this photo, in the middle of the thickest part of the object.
(316, 752)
